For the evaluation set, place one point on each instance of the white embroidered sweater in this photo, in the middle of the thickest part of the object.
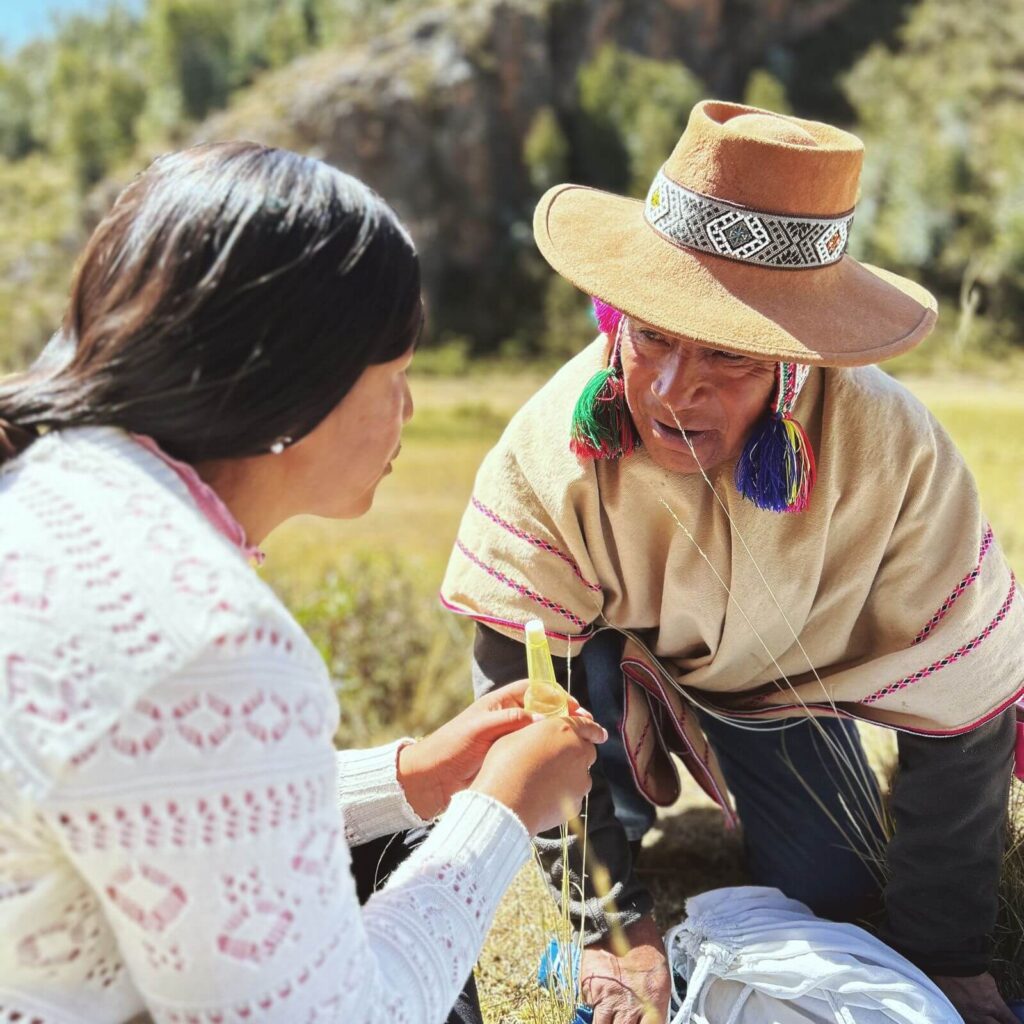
(174, 821)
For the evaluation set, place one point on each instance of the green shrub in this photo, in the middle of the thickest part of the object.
(399, 661)
(634, 110)
(568, 319)
(546, 150)
(467, 419)
(943, 197)
(39, 213)
(764, 90)
(450, 357)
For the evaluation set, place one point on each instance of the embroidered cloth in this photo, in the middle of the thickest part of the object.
(175, 823)
(906, 611)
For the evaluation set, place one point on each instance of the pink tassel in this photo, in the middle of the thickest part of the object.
(607, 317)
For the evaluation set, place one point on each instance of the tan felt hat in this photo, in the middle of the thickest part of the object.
(741, 244)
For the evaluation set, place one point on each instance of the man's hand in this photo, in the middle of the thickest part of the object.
(630, 989)
(977, 999)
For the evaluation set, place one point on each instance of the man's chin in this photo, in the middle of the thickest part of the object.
(674, 461)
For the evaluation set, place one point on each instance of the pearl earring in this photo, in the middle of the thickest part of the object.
(279, 445)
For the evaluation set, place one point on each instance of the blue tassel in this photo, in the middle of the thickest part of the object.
(776, 470)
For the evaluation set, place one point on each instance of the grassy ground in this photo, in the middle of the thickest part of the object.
(416, 514)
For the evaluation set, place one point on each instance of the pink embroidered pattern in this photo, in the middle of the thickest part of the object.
(205, 721)
(84, 550)
(537, 542)
(147, 896)
(940, 614)
(25, 583)
(27, 690)
(315, 854)
(164, 958)
(204, 822)
(140, 732)
(58, 943)
(246, 1010)
(949, 659)
(258, 921)
(519, 588)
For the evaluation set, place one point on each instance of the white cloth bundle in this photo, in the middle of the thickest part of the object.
(749, 955)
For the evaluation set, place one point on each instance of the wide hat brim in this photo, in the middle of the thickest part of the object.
(845, 314)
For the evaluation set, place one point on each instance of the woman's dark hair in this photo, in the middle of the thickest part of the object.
(230, 298)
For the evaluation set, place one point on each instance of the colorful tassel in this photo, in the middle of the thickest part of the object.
(607, 317)
(777, 469)
(602, 427)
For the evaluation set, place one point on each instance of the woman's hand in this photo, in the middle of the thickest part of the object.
(542, 772)
(436, 767)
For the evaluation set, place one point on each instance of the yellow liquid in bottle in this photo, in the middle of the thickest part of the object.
(544, 696)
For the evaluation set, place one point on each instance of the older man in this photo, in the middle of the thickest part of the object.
(742, 537)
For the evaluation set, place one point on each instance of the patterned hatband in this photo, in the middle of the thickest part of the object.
(751, 236)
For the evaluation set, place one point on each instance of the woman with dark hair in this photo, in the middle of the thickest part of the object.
(177, 833)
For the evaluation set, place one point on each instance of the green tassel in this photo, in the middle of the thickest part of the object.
(601, 425)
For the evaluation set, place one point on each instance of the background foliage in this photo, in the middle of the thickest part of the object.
(934, 87)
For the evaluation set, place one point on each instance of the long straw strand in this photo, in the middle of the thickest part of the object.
(858, 772)
(867, 791)
(756, 564)
(576, 979)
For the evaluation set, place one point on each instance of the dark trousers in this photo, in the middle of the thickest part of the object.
(804, 793)
(372, 863)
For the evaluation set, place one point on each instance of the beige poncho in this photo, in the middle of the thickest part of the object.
(889, 600)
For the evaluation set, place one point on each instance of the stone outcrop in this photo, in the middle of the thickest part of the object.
(434, 114)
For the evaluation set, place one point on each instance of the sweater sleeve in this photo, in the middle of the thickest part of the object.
(371, 798)
(206, 824)
(949, 805)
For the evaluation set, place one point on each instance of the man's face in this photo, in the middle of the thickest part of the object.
(715, 396)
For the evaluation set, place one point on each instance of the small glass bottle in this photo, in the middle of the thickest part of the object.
(544, 695)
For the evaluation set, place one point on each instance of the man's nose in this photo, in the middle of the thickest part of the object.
(681, 379)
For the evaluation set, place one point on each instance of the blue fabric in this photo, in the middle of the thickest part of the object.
(790, 842)
(600, 658)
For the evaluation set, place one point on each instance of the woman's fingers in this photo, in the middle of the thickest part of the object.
(501, 721)
(589, 730)
(508, 696)
(514, 694)
(578, 710)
